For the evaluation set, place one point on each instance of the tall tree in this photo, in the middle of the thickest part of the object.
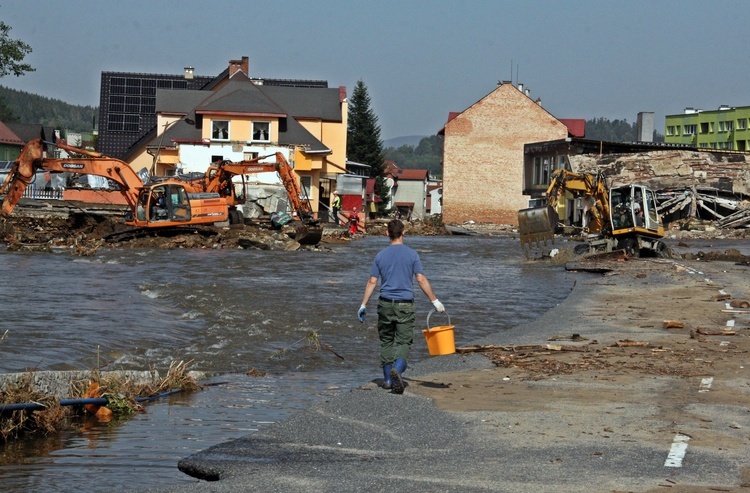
(12, 53)
(363, 144)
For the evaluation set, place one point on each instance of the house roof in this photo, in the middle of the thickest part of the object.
(31, 131)
(576, 126)
(7, 136)
(241, 96)
(504, 86)
(412, 174)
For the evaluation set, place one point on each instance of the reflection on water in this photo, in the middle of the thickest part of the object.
(227, 312)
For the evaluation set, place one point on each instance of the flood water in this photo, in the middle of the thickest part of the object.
(227, 312)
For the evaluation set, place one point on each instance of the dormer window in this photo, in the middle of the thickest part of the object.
(261, 131)
(220, 130)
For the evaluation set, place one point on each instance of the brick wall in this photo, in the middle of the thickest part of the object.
(483, 156)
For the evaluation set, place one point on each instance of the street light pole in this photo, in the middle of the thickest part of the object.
(161, 141)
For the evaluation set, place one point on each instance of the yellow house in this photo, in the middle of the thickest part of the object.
(237, 117)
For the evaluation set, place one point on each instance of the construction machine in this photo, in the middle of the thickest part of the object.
(221, 177)
(619, 218)
(155, 205)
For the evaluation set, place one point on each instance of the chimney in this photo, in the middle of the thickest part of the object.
(539, 101)
(644, 127)
(189, 72)
(520, 87)
(239, 66)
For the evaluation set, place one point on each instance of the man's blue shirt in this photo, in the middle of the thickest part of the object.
(396, 267)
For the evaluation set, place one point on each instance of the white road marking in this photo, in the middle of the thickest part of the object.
(730, 323)
(706, 384)
(721, 291)
(677, 452)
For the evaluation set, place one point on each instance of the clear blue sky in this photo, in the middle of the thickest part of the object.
(420, 59)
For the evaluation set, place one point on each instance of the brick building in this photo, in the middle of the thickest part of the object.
(483, 155)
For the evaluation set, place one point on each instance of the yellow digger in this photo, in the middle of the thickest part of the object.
(620, 218)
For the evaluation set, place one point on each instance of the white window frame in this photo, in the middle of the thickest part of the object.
(214, 125)
(260, 138)
(689, 129)
(742, 124)
(305, 182)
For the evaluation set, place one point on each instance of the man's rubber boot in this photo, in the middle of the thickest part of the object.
(397, 384)
(387, 376)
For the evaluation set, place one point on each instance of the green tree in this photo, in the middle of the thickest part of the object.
(363, 143)
(12, 53)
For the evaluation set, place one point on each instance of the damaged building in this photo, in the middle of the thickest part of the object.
(691, 183)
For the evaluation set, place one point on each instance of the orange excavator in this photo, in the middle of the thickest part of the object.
(163, 204)
(220, 178)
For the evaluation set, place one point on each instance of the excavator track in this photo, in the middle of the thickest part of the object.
(168, 232)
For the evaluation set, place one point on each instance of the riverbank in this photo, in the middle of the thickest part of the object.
(629, 404)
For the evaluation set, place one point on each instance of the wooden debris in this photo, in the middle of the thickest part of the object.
(721, 297)
(672, 324)
(739, 304)
(629, 343)
(725, 332)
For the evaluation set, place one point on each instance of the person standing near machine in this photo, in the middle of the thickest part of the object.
(396, 267)
(336, 206)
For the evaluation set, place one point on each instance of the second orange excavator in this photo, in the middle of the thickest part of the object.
(226, 177)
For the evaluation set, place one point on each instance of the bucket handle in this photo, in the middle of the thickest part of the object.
(433, 311)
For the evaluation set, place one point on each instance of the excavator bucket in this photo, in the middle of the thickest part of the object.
(537, 224)
(307, 234)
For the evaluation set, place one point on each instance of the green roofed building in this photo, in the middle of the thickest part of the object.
(724, 129)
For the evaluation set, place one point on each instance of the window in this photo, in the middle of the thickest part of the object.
(220, 130)
(704, 127)
(249, 156)
(217, 159)
(560, 162)
(721, 127)
(742, 124)
(306, 182)
(689, 130)
(670, 130)
(537, 180)
(730, 126)
(261, 131)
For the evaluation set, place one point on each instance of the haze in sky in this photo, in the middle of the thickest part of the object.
(419, 59)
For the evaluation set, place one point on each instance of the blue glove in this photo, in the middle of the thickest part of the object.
(362, 313)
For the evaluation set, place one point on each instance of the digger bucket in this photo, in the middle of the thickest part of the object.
(308, 234)
(537, 224)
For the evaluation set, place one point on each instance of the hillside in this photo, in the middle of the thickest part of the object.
(24, 107)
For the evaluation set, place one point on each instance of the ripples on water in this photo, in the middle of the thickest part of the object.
(228, 312)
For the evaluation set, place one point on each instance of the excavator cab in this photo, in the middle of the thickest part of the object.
(633, 209)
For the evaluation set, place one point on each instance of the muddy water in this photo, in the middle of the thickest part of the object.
(228, 312)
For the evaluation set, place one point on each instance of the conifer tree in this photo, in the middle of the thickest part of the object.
(363, 144)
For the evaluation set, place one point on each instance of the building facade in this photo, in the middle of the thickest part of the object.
(725, 128)
(483, 155)
(235, 117)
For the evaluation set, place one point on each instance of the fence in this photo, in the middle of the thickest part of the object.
(33, 192)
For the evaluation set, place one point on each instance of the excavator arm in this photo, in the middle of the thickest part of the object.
(219, 177)
(32, 160)
(538, 223)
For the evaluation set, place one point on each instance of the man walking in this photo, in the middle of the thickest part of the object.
(396, 266)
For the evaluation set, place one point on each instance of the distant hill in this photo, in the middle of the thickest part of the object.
(409, 140)
(25, 107)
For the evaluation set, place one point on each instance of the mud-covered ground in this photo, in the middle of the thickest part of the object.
(85, 233)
